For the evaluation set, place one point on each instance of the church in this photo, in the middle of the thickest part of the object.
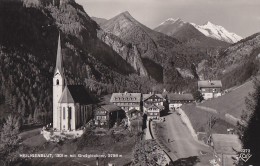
(72, 104)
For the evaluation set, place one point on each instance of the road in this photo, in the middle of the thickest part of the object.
(181, 143)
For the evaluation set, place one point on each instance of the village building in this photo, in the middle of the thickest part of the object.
(153, 111)
(134, 113)
(135, 119)
(210, 88)
(107, 115)
(153, 105)
(225, 148)
(127, 101)
(72, 104)
(176, 100)
(152, 99)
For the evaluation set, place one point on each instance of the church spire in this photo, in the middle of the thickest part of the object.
(59, 64)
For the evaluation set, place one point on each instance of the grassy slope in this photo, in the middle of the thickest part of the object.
(233, 102)
(200, 118)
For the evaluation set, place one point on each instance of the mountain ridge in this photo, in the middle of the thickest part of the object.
(186, 32)
(218, 32)
(164, 57)
(208, 29)
(236, 64)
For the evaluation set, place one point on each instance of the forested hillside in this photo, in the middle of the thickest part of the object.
(28, 39)
(236, 64)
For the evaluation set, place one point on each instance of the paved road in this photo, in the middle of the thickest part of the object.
(182, 144)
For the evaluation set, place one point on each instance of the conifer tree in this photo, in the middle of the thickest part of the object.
(9, 134)
(249, 127)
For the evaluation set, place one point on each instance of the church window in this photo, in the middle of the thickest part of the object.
(69, 112)
(57, 82)
(63, 112)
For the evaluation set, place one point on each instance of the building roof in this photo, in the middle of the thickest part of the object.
(180, 97)
(226, 143)
(76, 94)
(111, 108)
(59, 63)
(134, 111)
(210, 84)
(146, 96)
(125, 97)
(154, 106)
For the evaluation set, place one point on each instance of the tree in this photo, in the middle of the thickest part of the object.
(30, 119)
(146, 153)
(9, 136)
(250, 125)
(198, 96)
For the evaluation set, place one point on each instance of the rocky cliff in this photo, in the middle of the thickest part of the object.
(128, 52)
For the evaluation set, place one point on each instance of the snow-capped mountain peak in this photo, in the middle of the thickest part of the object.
(171, 21)
(217, 32)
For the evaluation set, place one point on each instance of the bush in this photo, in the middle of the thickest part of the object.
(88, 139)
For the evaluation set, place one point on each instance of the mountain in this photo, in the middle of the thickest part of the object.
(170, 26)
(218, 32)
(236, 64)
(29, 33)
(187, 33)
(127, 51)
(130, 30)
(99, 21)
(164, 57)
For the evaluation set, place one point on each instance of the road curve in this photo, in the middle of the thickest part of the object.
(181, 143)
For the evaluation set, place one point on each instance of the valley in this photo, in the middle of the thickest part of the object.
(142, 102)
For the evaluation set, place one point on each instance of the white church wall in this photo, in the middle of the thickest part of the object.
(58, 84)
(65, 117)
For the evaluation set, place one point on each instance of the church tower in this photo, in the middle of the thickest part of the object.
(58, 86)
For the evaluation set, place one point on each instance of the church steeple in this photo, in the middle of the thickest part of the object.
(59, 64)
(58, 86)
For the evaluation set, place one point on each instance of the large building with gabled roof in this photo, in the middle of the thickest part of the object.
(127, 101)
(153, 105)
(72, 104)
(210, 88)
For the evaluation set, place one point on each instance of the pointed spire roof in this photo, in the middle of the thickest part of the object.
(76, 94)
(66, 96)
(59, 64)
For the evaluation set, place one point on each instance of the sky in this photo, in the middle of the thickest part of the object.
(239, 16)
